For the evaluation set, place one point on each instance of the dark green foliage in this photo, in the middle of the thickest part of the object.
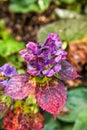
(81, 121)
(76, 103)
(50, 123)
(9, 48)
(25, 6)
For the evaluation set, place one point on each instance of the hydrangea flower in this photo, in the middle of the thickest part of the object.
(44, 61)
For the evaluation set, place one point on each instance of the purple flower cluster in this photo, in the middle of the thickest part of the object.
(44, 59)
(6, 71)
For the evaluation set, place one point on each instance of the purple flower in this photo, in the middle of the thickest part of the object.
(6, 71)
(44, 59)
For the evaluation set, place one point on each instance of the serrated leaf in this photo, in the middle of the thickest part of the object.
(76, 102)
(68, 30)
(19, 87)
(52, 97)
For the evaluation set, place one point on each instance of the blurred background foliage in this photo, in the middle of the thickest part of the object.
(32, 20)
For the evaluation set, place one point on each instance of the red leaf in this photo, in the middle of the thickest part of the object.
(20, 86)
(15, 120)
(51, 97)
(38, 122)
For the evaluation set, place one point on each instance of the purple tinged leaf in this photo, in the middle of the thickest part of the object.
(19, 87)
(67, 71)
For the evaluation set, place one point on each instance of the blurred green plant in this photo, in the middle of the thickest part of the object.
(9, 48)
(68, 30)
(76, 103)
(25, 6)
(81, 121)
(50, 123)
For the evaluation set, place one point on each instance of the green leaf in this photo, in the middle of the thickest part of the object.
(76, 102)
(68, 30)
(8, 45)
(3, 60)
(42, 79)
(22, 2)
(18, 103)
(68, 127)
(44, 4)
(68, 1)
(6, 99)
(15, 60)
(29, 5)
(81, 121)
(28, 8)
(50, 123)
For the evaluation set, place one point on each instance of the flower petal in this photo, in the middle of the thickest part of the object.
(32, 46)
(51, 98)
(8, 70)
(57, 68)
(19, 87)
(53, 40)
(33, 71)
(4, 82)
(67, 71)
(23, 51)
(50, 73)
